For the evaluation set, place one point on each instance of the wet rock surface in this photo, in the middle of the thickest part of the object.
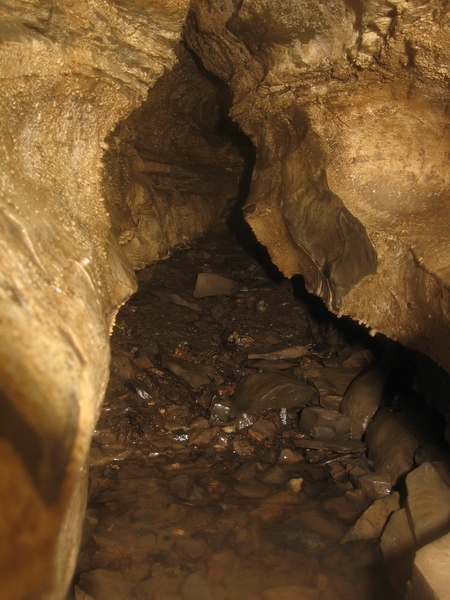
(214, 475)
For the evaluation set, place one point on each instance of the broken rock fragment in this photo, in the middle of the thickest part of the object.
(262, 430)
(195, 375)
(372, 522)
(211, 284)
(320, 423)
(428, 501)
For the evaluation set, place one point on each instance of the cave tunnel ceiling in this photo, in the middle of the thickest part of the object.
(122, 128)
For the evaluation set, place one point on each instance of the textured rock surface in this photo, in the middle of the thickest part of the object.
(70, 72)
(171, 168)
(429, 577)
(346, 105)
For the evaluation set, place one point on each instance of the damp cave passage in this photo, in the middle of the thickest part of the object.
(251, 445)
(223, 466)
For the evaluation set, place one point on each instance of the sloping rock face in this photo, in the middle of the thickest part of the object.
(347, 105)
(70, 71)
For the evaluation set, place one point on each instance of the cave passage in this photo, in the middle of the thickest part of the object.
(251, 444)
(221, 467)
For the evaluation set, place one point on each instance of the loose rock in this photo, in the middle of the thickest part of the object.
(262, 392)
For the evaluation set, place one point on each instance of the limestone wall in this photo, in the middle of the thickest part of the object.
(70, 72)
(347, 105)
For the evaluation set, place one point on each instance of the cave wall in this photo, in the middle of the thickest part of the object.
(70, 72)
(172, 168)
(347, 105)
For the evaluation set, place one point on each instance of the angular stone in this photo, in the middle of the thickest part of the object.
(211, 284)
(272, 366)
(398, 546)
(168, 296)
(202, 437)
(429, 579)
(104, 584)
(320, 423)
(361, 359)
(374, 485)
(195, 375)
(347, 508)
(317, 520)
(245, 473)
(290, 457)
(274, 476)
(220, 411)
(262, 430)
(372, 522)
(262, 392)
(176, 417)
(185, 488)
(428, 501)
(189, 551)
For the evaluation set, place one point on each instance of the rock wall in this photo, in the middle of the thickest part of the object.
(347, 105)
(172, 168)
(70, 72)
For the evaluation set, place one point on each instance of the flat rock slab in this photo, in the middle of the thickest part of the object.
(261, 392)
(334, 445)
(195, 375)
(168, 296)
(278, 353)
(428, 502)
(211, 284)
(372, 522)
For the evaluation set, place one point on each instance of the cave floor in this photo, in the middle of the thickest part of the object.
(186, 503)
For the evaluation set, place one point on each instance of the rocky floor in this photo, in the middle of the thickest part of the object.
(221, 467)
